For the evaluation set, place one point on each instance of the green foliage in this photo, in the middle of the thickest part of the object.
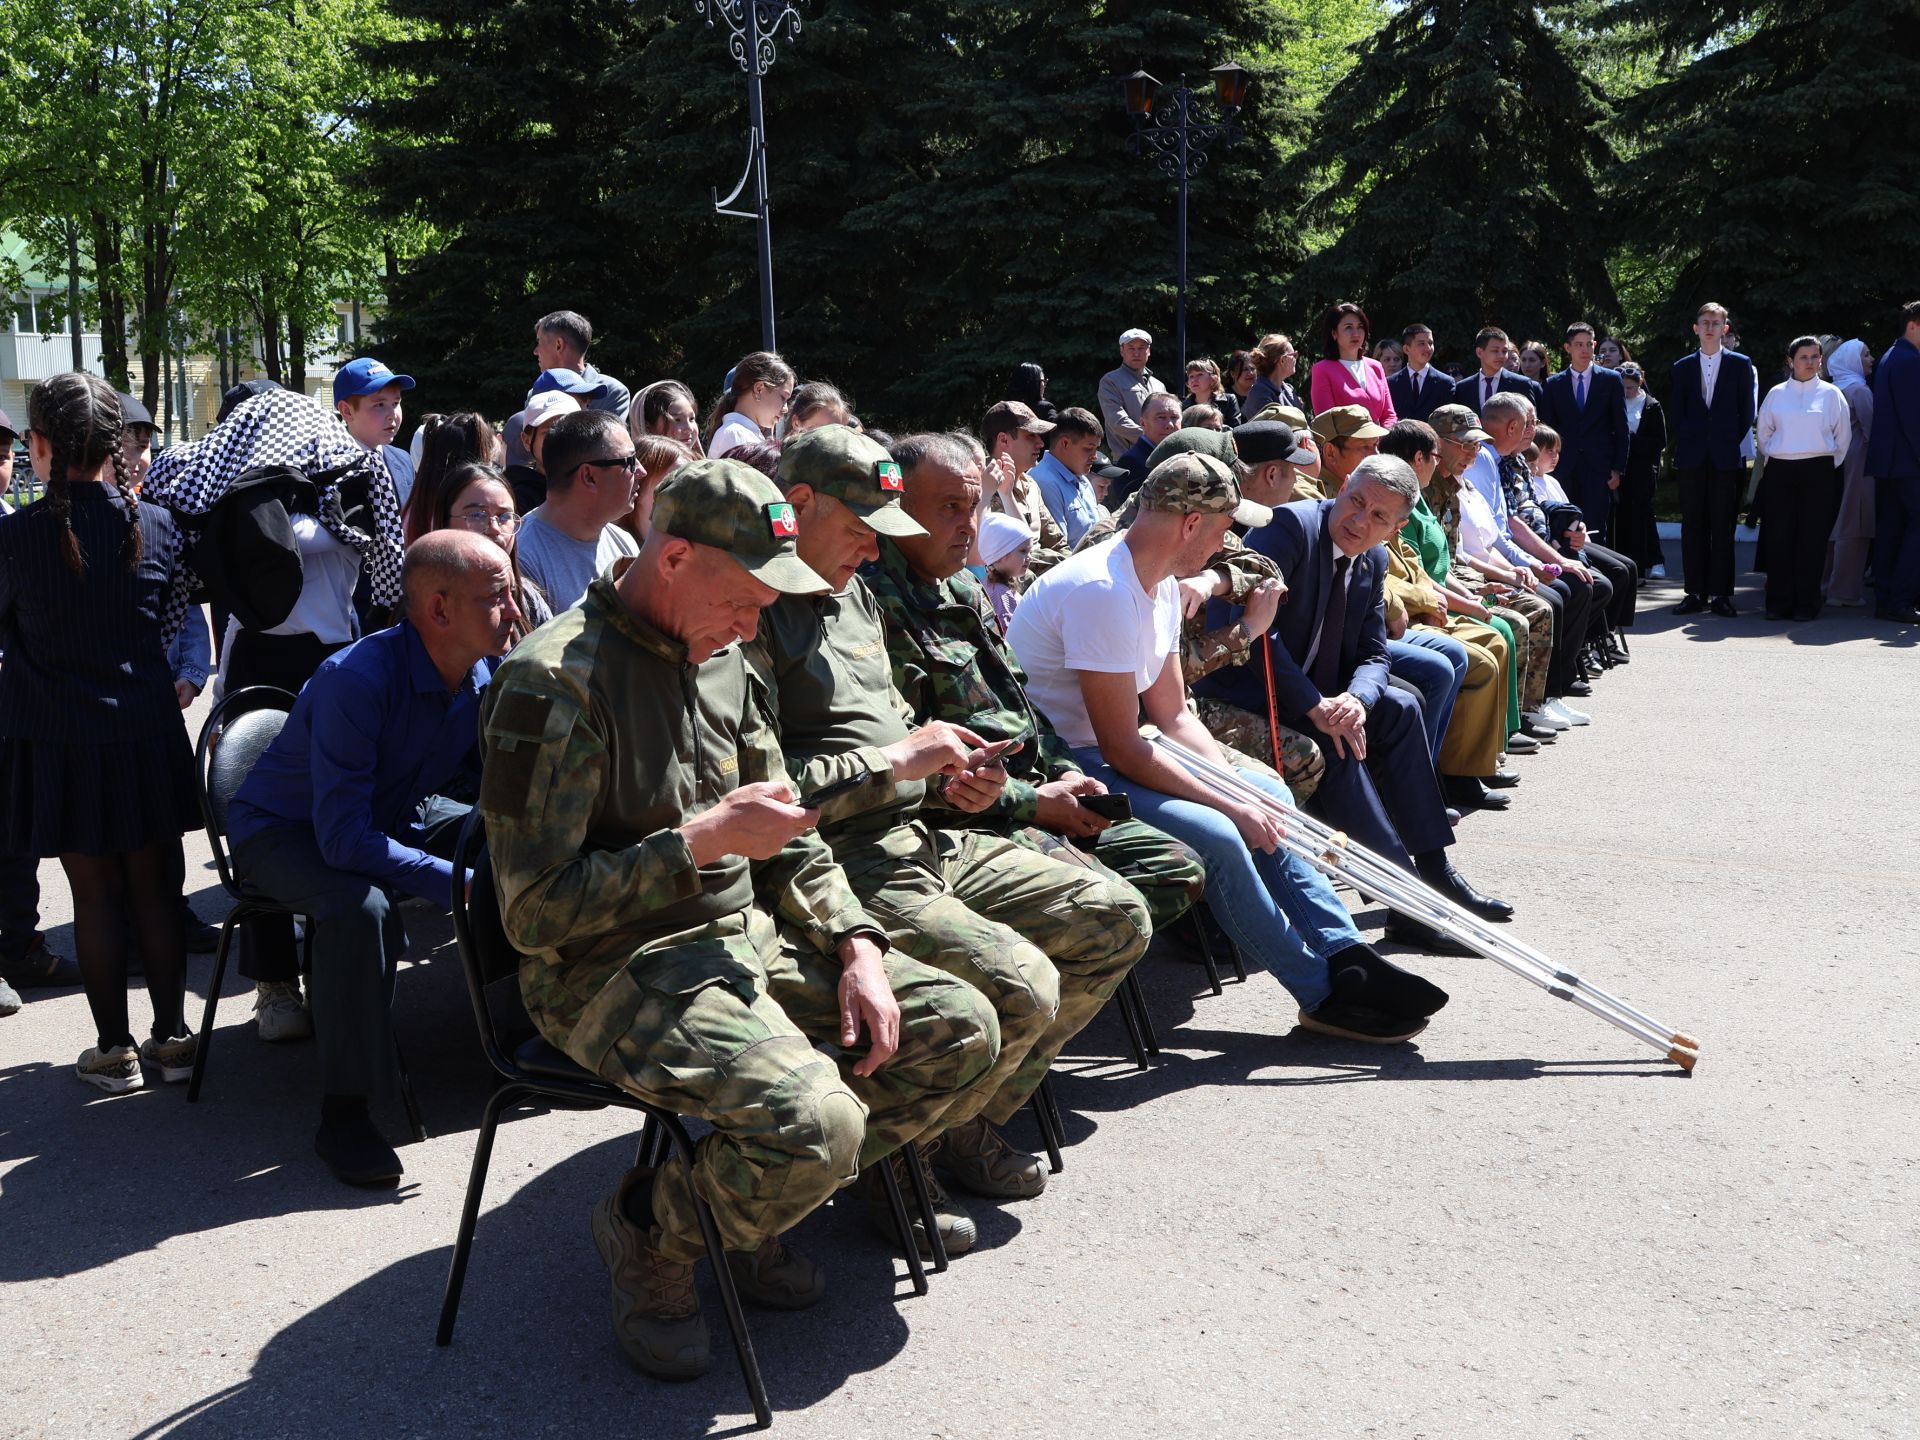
(952, 192)
(1455, 166)
(1781, 159)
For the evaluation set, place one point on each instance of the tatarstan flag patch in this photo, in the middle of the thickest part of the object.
(782, 523)
(888, 474)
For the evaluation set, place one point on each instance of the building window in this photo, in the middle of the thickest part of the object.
(23, 314)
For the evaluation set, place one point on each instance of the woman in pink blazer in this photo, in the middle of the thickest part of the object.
(1348, 376)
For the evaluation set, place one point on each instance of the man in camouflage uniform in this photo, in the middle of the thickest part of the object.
(968, 901)
(686, 934)
(1240, 576)
(950, 663)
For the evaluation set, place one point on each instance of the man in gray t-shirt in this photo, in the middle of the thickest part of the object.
(572, 538)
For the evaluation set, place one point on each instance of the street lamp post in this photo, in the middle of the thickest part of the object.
(1177, 143)
(755, 26)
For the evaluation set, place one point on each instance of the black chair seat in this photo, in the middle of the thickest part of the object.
(540, 1060)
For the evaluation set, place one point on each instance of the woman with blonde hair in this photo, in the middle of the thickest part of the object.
(1274, 362)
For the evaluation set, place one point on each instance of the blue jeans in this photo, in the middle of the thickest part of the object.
(1277, 908)
(1435, 665)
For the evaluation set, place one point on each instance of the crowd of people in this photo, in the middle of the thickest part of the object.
(810, 757)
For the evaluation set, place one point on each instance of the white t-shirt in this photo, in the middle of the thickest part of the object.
(1089, 612)
(735, 430)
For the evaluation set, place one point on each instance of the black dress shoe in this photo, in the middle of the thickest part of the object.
(355, 1150)
(1618, 655)
(1904, 615)
(1453, 816)
(1692, 605)
(1418, 935)
(1722, 606)
(1579, 687)
(1440, 874)
(1465, 792)
(1500, 780)
(1773, 614)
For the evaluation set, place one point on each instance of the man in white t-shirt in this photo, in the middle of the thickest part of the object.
(1099, 638)
(571, 539)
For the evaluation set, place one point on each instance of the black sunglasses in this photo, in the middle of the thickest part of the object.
(628, 463)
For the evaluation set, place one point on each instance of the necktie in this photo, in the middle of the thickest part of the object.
(1333, 626)
(1487, 382)
(1580, 389)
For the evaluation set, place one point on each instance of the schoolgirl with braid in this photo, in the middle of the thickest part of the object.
(95, 766)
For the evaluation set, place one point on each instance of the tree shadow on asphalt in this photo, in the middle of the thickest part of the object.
(242, 1153)
(533, 1352)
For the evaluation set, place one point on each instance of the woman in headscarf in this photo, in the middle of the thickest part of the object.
(1851, 366)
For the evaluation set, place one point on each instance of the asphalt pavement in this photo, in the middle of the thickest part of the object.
(1524, 1223)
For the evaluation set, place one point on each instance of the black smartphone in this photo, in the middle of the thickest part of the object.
(1110, 806)
(827, 792)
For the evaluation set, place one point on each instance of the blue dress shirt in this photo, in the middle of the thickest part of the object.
(1068, 496)
(375, 732)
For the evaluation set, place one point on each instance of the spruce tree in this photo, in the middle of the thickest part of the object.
(1775, 169)
(1456, 167)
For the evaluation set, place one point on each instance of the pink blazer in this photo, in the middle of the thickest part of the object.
(1332, 385)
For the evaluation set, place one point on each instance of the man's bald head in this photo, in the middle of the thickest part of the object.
(443, 560)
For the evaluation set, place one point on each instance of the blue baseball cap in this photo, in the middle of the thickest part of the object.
(567, 382)
(364, 376)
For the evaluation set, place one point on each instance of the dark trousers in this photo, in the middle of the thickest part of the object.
(1896, 543)
(1636, 534)
(19, 904)
(1572, 602)
(1803, 496)
(1709, 509)
(1595, 500)
(357, 942)
(1390, 802)
(287, 661)
(1623, 575)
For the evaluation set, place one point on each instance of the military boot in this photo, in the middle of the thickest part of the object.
(656, 1315)
(776, 1276)
(957, 1230)
(978, 1156)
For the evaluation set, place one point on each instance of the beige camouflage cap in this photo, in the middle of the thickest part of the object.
(1457, 422)
(1195, 484)
(1346, 422)
(733, 507)
(855, 470)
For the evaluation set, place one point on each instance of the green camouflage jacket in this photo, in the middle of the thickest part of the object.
(949, 663)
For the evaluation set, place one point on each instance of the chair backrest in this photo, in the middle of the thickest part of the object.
(487, 957)
(236, 734)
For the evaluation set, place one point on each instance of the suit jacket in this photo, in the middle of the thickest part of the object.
(1297, 541)
(1711, 436)
(1410, 404)
(1893, 445)
(1467, 392)
(1594, 439)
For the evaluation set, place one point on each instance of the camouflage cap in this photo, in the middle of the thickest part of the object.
(735, 508)
(1457, 422)
(854, 469)
(1195, 484)
(1346, 422)
(1195, 440)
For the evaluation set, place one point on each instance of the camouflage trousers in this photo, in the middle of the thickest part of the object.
(720, 1023)
(1301, 764)
(1168, 873)
(1046, 942)
(1518, 608)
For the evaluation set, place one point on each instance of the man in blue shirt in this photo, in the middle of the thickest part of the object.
(1893, 459)
(1061, 474)
(331, 820)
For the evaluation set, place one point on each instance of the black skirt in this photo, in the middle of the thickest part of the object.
(58, 798)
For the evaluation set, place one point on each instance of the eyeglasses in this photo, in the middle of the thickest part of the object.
(506, 520)
(628, 462)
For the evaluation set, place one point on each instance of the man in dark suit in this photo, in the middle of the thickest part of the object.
(1490, 346)
(1587, 405)
(1417, 389)
(1710, 411)
(1893, 459)
(1330, 674)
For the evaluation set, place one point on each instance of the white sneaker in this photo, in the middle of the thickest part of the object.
(1658, 572)
(172, 1058)
(1545, 719)
(1560, 710)
(115, 1071)
(277, 1008)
